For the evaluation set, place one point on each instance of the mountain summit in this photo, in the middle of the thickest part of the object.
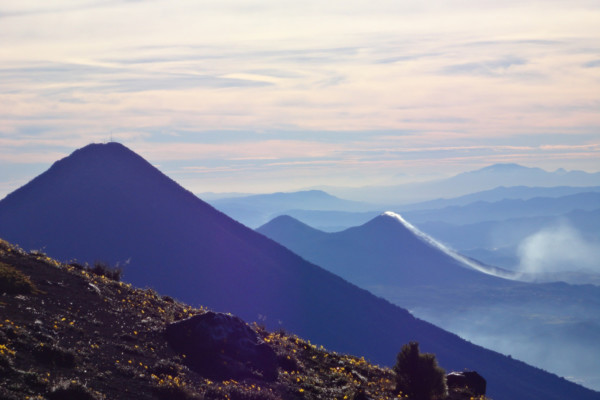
(385, 249)
(104, 202)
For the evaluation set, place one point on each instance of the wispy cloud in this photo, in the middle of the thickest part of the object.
(497, 67)
(303, 83)
(592, 64)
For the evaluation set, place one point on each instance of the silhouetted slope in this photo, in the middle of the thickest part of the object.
(105, 202)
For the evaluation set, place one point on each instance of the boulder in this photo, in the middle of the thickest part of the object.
(222, 346)
(469, 380)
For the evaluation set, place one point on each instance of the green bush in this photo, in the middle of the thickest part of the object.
(418, 374)
(13, 281)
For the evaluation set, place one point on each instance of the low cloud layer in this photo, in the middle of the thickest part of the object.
(558, 248)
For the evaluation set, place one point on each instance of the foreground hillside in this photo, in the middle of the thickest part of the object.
(68, 333)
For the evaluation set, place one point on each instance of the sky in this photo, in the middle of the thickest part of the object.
(262, 95)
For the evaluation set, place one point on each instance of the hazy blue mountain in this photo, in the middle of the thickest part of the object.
(382, 250)
(255, 210)
(332, 221)
(509, 208)
(501, 193)
(104, 202)
(483, 212)
(469, 182)
(392, 260)
(509, 232)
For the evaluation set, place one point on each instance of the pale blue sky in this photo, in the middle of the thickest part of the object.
(264, 95)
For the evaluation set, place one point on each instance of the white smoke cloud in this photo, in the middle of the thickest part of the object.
(558, 248)
(467, 262)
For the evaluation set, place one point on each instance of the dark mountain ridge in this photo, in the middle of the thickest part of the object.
(104, 202)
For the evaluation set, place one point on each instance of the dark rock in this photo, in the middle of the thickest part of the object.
(223, 347)
(470, 380)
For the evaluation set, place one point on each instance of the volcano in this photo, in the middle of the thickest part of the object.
(384, 250)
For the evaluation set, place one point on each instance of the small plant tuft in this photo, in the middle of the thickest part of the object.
(13, 281)
(103, 269)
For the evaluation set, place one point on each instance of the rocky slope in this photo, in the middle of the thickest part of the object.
(68, 332)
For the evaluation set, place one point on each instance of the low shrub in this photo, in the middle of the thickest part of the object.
(167, 299)
(102, 269)
(13, 281)
(418, 374)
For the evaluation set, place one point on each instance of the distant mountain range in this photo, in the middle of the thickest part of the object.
(392, 259)
(329, 213)
(492, 231)
(465, 183)
(502, 193)
(506, 209)
(255, 210)
(104, 202)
